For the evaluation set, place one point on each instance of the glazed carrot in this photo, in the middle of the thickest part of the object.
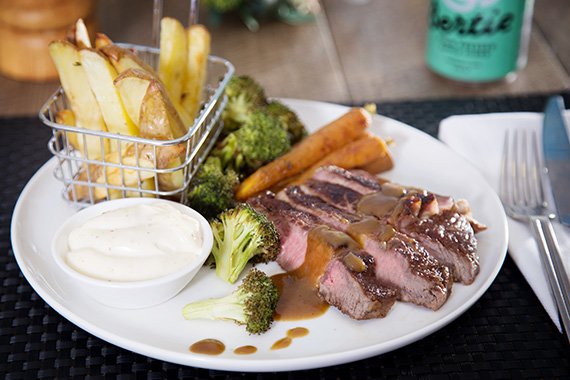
(379, 165)
(356, 154)
(329, 138)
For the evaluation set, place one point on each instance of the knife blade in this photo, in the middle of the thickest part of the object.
(556, 146)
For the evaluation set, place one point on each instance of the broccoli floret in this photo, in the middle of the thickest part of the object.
(244, 96)
(223, 6)
(242, 234)
(256, 143)
(288, 119)
(212, 190)
(252, 304)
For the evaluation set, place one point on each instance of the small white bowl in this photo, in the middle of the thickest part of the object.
(131, 294)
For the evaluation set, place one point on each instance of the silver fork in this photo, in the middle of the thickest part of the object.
(522, 192)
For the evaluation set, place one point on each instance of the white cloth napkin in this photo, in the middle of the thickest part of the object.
(479, 138)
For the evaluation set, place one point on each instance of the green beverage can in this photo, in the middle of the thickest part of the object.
(478, 41)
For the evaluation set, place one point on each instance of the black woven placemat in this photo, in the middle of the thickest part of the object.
(506, 334)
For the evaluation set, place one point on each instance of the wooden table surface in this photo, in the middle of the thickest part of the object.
(355, 51)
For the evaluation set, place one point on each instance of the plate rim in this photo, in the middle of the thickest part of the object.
(257, 365)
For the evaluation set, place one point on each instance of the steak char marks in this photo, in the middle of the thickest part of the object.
(292, 225)
(400, 262)
(444, 227)
(345, 275)
(411, 244)
(447, 235)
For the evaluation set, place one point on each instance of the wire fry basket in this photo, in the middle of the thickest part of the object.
(129, 166)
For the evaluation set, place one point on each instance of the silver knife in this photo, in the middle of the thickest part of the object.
(556, 147)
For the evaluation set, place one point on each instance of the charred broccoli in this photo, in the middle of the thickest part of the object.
(242, 234)
(260, 140)
(288, 119)
(244, 96)
(212, 190)
(252, 304)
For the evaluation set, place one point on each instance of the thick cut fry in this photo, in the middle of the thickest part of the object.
(102, 40)
(198, 51)
(101, 75)
(173, 56)
(82, 39)
(76, 87)
(174, 180)
(353, 155)
(158, 118)
(66, 117)
(306, 153)
(132, 86)
(147, 184)
(124, 59)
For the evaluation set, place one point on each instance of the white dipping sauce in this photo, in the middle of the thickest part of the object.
(134, 243)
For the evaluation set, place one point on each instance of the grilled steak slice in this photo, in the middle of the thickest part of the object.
(402, 263)
(340, 196)
(292, 225)
(446, 234)
(349, 283)
(344, 275)
(325, 212)
(359, 181)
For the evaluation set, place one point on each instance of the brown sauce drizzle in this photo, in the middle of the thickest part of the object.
(377, 204)
(245, 350)
(298, 298)
(298, 290)
(208, 347)
(297, 332)
(282, 343)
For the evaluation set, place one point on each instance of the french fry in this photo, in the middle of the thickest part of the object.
(67, 117)
(101, 74)
(122, 177)
(147, 184)
(158, 118)
(173, 56)
(102, 40)
(306, 153)
(75, 83)
(132, 85)
(353, 155)
(124, 59)
(82, 39)
(198, 51)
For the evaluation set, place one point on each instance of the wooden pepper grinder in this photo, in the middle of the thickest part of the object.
(26, 29)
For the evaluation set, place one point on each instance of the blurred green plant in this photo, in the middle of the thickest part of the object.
(253, 12)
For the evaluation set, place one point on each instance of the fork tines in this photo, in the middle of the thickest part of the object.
(521, 183)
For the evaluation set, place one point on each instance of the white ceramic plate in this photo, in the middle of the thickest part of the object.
(161, 332)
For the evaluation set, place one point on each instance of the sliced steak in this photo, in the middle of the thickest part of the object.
(340, 196)
(325, 212)
(402, 263)
(354, 288)
(292, 225)
(344, 275)
(359, 181)
(446, 234)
